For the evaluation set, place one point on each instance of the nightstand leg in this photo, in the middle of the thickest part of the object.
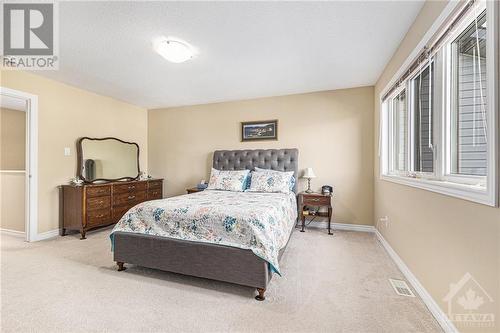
(330, 221)
(303, 223)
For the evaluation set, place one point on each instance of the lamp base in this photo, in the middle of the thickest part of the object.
(309, 186)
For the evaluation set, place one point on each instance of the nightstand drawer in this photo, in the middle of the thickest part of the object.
(312, 200)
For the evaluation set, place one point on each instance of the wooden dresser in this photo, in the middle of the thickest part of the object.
(95, 205)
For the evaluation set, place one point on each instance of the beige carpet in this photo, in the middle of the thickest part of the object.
(330, 284)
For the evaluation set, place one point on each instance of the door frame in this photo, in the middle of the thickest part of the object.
(31, 181)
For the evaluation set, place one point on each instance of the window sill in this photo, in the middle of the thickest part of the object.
(473, 193)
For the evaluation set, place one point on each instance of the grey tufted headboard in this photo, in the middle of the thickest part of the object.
(274, 159)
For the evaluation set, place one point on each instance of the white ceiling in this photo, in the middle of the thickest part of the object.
(246, 49)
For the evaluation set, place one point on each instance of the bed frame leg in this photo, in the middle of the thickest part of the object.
(260, 296)
(120, 266)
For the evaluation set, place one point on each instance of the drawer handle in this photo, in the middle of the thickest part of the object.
(131, 187)
(315, 199)
(99, 216)
(101, 202)
(130, 197)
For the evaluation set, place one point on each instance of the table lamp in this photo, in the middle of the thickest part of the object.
(308, 174)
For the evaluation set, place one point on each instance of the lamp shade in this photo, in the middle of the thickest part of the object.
(309, 173)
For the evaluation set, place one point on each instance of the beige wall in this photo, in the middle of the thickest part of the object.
(12, 196)
(12, 157)
(440, 238)
(65, 114)
(12, 139)
(332, 130)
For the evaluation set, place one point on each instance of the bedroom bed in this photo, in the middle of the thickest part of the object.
(172, 235)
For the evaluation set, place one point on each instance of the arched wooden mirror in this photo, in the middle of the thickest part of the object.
(107, 159)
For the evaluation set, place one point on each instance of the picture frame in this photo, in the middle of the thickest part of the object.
(259, 130)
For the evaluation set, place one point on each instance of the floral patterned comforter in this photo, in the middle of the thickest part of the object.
(260, 222)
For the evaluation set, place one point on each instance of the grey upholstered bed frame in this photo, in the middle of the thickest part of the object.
(206, 260)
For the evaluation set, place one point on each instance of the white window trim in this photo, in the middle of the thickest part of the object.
(411, 123)
(463, 187)
(391, 167)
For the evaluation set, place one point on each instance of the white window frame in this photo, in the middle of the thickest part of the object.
(411, 123)
(478, 189)
(391, 117)
(450, 100)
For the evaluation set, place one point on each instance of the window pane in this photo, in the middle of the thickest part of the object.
(469, 150)
(400, 131)
(423, 159)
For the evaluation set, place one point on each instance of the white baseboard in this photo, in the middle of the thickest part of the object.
(14, 233)
(431, 304)
(44, 235)
(353, 227)
(47, 235)
(340, 226)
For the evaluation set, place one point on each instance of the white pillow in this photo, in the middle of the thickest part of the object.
(265, 180)
(228, 180)
(292, 179)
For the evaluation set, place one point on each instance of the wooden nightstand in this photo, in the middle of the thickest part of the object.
(315, 200)
(193, 190)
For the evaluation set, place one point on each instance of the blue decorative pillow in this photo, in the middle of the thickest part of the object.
(249, 180)
(230, 180)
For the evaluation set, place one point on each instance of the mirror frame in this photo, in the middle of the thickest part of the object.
(79, 153)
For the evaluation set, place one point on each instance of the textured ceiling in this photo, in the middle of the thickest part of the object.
(246, 49)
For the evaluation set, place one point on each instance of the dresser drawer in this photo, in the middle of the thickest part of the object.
(130, 187)
(97, 191)
(98, 203)
(100, 216)
(119, 211)
(154, 194)
(129, 198)
(313, 200)
(155, 184)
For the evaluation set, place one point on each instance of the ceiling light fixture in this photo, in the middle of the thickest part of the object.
(174, 49)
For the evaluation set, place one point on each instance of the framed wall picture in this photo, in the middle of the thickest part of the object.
(259, 130)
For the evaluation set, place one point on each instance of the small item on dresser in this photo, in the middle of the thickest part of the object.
(202, 185)
(77, 181)
(144, 176)
(327, 190)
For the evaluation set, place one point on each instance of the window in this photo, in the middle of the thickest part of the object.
(469, 121)
(400, 132)
(423, 151)
(438, 122)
